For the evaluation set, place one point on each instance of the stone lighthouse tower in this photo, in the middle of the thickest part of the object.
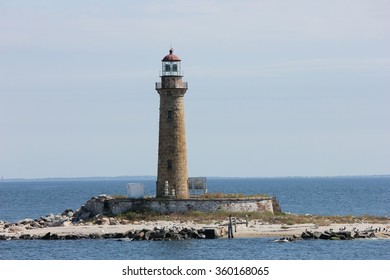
(172, 173)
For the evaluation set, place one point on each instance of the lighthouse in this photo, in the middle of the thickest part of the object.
(172, 175)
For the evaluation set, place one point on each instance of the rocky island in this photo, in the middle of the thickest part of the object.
(82, 224)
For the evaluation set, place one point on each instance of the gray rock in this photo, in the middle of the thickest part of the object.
(157, 235)
(85, 216)
(54, 224)
(317, 235)
(141, 235)
(25, 221)
(119, 235)
(68, 212)
(344, 235)
(148, 235)
(72, 237)
(46, 236)
(113, 222)
(129, 234)
(98, 217)
(94, 236)
(107, 235)
(325, 236)
(48, 218)
(35, 224)
(202, 236)
(176, 236)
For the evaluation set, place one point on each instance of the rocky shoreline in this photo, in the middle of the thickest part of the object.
(71, 225)
(157, 234)
(342, 234)
(27, 229)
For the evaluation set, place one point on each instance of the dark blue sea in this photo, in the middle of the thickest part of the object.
(324, 196)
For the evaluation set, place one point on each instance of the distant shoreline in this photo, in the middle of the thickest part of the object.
(151, 177)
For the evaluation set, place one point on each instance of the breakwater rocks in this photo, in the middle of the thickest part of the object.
(342, 234)
(51, 220)
(157, 234)
(339, 235)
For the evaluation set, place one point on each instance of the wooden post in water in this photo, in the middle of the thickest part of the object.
(230, 227)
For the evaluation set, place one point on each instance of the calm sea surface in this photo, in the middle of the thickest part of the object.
(324, 196)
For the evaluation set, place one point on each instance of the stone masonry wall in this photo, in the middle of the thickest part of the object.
(115, 206)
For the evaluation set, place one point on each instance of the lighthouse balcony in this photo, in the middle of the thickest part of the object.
(160, 85)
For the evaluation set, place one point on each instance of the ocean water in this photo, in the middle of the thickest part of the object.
(209, 249)
(323, 196)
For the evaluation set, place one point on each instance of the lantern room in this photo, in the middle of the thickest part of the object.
(171, 65)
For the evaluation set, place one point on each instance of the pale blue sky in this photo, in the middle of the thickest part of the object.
(276, 88)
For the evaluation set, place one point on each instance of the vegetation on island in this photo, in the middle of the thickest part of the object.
(232, 195)
(265, 218)
(282, 218)
(217, 195)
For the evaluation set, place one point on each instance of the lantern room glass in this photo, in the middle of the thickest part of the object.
(171, 68)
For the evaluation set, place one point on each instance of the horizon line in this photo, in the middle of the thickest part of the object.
(122, 177)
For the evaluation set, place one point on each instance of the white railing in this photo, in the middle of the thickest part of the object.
(171, 73)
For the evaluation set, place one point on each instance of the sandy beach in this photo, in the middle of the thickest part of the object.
(252, 230)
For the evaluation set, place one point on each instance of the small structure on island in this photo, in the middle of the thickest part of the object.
(197, 186)
(135, 190)
(172, 176)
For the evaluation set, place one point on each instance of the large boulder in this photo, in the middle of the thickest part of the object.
(68, 212)
(148, 234)
(25, 236)
(83, 216)
(46, 236)
(113, 222)
(344, 235)
(25, 221)
(307, 235)
(325, 236)
(49, 218)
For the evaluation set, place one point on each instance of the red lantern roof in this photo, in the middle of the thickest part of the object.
(171, 56)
